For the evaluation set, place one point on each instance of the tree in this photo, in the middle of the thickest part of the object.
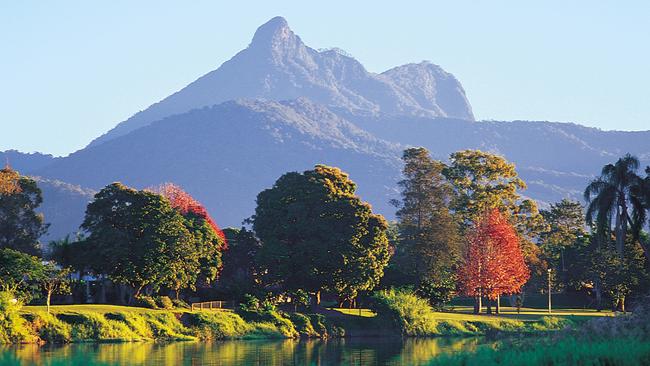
(494, 263)
(20, 224)
(54, 281)
(138, 239)
(239, 275)
(318, 235)
(210, 240)
(566, 223)
(19, 273)
(484, 181)
(617, 195)
(428, 247)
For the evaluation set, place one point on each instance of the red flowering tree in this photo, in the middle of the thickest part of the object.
(202, 226)
(494, 264)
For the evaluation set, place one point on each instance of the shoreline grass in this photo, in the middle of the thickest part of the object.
(115, 323)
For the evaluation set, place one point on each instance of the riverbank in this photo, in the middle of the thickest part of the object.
(110, 323)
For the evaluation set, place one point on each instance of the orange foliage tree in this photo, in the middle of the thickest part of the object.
(494, 264)
(187, 205)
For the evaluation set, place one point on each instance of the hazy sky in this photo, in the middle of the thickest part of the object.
(71, 70)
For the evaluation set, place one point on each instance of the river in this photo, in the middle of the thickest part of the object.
(353, 351)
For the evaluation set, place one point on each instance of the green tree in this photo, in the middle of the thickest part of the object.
(54, 280)
(239, 276)
(318, 235)
(483, 181)
(429, 244)
(20, 273)
(566, 222)
(20, 224)
(138, 239)
(617, 195)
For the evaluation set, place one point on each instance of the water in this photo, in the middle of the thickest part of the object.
(355, 351)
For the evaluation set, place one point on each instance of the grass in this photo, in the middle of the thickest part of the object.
(95, 308)
(568, 351)
(409, 316)
(114, 323)
(465, 313)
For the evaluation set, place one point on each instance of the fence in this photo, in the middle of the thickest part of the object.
(213, 305)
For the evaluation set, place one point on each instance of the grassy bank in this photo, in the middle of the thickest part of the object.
(111, 323)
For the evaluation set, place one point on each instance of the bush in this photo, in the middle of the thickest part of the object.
(12, 327)
(405, 311)
(146, 302)
(50, 329)
(164, 302)
(180, 304)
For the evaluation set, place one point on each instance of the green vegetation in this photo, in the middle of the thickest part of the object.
(571, 351)
(318, 235)
(413, 316)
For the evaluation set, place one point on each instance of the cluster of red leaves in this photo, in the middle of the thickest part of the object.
(184, 203)
(494, 264)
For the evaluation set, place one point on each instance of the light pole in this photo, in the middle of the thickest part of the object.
(549, 290)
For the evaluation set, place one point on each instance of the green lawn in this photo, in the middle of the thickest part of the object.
(88, 308)
(526, 314)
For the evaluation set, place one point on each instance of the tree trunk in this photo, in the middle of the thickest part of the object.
(477, 304)
(49, 297)
(317, 298)
(621, 304)
(498, 308)
(489, 306)
(599, 294)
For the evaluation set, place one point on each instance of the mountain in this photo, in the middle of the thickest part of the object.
(25, 162)
(225, 154)
(280, 106)
(277, 65)
(63, 207)
(555, 159)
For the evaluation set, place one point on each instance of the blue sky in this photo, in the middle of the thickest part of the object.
(71, 70)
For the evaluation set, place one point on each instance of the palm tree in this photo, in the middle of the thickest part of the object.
(617, 195)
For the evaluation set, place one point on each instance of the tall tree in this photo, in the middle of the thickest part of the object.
(210, 239)
(239, 275)
(137, 238)
(617, 195)
(20, 224)
(566, 222)
(483, 181)
(428, 247)
(494, 263)
(318, 235)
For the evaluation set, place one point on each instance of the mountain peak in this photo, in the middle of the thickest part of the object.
(274, 32)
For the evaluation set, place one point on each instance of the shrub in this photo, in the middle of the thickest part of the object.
(146, 302)
(49, 328)
(405, 311)
(180, 304)
(164, 302)
(12, 327)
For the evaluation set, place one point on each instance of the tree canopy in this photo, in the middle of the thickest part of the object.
(137, 238)
(318, 235)
(494, 264)
(20, 224)
(429, 243)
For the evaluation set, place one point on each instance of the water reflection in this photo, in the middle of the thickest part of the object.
(354, 351)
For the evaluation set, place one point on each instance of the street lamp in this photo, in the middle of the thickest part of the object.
(549, 290)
